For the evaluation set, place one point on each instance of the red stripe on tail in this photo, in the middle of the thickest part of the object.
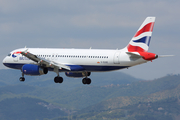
(146, 28)
(135, 48)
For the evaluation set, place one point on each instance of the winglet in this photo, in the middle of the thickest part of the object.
(25, 51)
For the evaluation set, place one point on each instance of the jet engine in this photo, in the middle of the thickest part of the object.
(31, 69)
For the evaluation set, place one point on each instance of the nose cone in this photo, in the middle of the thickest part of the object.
(5, 61)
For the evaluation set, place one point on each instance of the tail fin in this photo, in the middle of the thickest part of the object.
(141, 40)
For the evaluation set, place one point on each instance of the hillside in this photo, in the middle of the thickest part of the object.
(85, 96)
(141, 107)
(11, 77)
(26, 108)
(142, 91)
(166, 109)
(107, 96)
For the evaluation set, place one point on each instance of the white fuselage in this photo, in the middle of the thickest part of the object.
(92, 60)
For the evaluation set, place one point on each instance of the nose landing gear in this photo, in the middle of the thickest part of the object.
(22, 79)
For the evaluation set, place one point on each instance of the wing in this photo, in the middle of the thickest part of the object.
(44, 62)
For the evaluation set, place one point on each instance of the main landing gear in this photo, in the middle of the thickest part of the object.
(58, 79)
(86, 81)
(22, 79)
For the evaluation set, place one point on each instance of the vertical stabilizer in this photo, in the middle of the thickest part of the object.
(141, 40)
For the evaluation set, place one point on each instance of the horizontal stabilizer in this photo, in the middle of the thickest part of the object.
(134, 54)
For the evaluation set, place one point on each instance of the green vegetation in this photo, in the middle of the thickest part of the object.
(36, 98)
(26, 108)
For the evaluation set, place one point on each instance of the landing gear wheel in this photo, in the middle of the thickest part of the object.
(58, 79)
(22, 79)
(86, 81)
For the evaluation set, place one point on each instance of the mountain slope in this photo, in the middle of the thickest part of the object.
(11, 77)
(85, 96)
(26, 108)
(143, 91)
(108, 95)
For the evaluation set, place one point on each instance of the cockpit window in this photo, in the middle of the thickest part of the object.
(9, 54)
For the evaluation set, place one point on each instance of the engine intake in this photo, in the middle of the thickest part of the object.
(31, 69)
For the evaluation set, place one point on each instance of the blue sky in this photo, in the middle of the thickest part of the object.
(104, 24)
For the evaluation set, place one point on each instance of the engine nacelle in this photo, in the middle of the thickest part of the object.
(31, 69)
(76, 75)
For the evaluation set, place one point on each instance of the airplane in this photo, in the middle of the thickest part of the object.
(81, 62)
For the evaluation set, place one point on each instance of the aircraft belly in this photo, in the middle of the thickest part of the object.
(102, 68)
(93, 68)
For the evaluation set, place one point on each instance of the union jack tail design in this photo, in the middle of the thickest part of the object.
(141, 40)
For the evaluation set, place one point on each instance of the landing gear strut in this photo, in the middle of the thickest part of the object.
(57, 79)
(22, 79)
(86, 81)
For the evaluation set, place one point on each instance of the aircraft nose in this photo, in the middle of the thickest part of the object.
(5, 60)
